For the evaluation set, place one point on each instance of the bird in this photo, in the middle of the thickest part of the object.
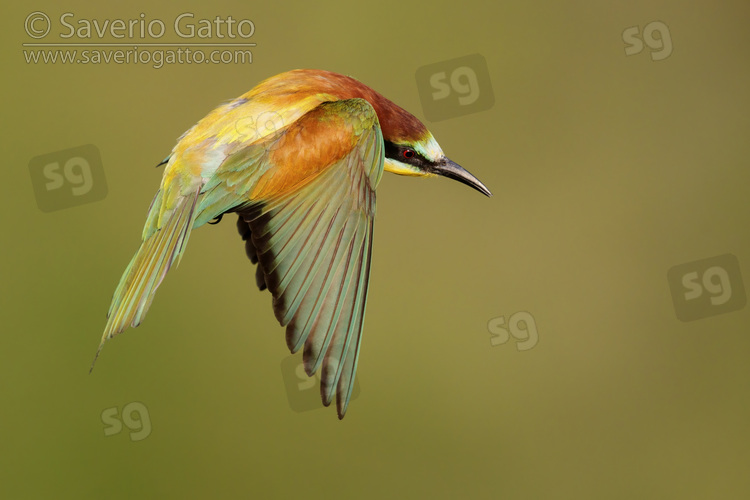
(298, 158)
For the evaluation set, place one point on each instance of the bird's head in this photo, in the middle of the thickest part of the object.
(410, 149)
(422, 156)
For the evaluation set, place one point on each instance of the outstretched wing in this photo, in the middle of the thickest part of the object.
(311, 223)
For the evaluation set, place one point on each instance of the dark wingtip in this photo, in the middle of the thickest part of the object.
(164, 161)
(96, 356)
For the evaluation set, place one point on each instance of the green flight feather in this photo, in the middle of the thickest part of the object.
(161, 248)
(314, 246)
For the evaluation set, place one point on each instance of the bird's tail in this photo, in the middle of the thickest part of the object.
(165, 236)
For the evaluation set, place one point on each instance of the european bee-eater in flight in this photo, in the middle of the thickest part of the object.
(303, 183)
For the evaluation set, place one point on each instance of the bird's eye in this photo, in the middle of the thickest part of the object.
(408, 153)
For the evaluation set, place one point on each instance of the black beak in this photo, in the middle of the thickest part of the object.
(452, 170)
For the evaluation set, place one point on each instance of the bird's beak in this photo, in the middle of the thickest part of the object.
(452, 170)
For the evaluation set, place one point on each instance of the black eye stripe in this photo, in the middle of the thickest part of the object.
(404, 154)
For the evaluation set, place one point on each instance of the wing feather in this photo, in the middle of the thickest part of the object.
(313, 244)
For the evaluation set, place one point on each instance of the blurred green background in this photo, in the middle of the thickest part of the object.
(607, 170)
